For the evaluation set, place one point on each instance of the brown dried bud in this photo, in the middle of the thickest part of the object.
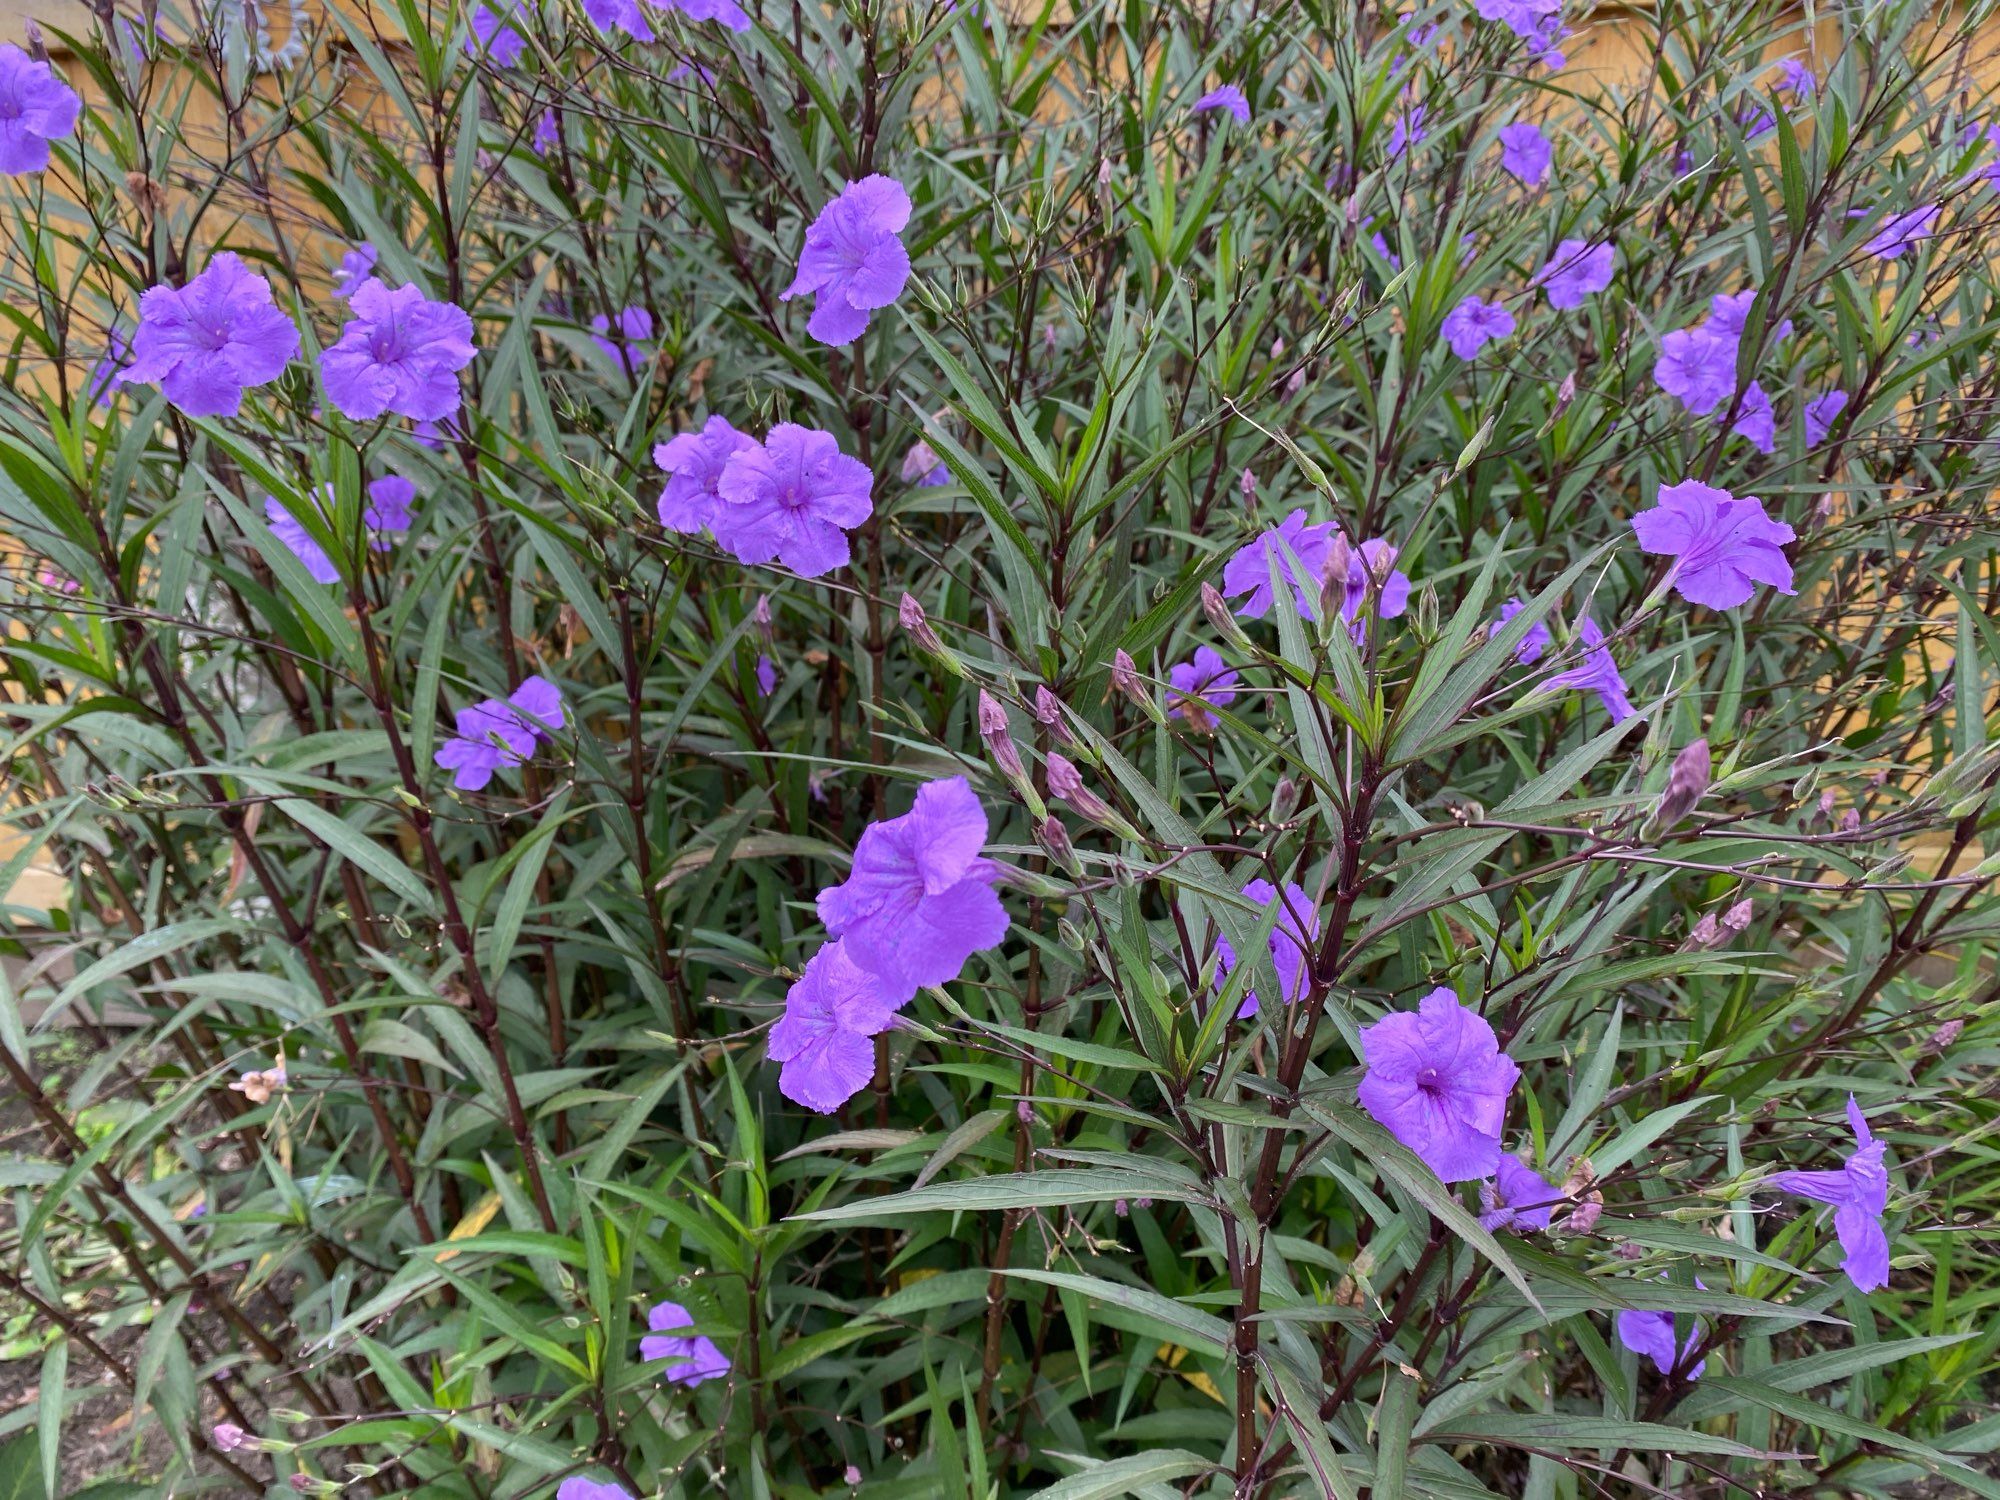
(149, 197)
(1580, 1185)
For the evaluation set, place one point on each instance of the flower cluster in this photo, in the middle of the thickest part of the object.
(499, 732)
(793, 497)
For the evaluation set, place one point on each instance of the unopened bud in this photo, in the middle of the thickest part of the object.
(1048, 713)
(1739, 917)
(229, 1438)
(761, 614)
(917, 624)
(1125, 679)
(1337, 583)
(999, 742)
(1565, 393)
(1296, 381)
(1580, 1185)
(1707, 933)
(1054, 840)
(1943, 1037)
(1066, 785)
(1284, 799)
(1686, 783)
(1246, 484)
(1216, 609)
(1104, 172)
(1024, 1111)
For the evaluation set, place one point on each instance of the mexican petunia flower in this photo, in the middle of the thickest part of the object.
(1723, 546)
(624, 338)
(1599, 673)
(696, 1358)
(400, 353)
(1575, 271)
(1408, 131)
(1292, 942)
(497, 33)
(1697, 366)
(577, 1487)
(1755, 420)
(1899, 232)
(357, 264)
(693, 462)
(548, 133)
(824, 1038)
(1249, 571)
(1438, 1081)
(1534, 643)
(627, 16)
(497, 732)
(918, 900)
(1228, 98)
(1473, 324)
(853, 258)
(1525, 152)
(794, 498)
(1649, 1333)
(1199, 684)
(922, 466)
(1728, 312)
(1519, 1198)
(1859, 1193)
(388, 511)
(206, 343)
(731, 15)
(36, 107)
(1820, 414)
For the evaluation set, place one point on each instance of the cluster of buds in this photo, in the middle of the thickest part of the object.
(259, 1086)
(1580, 1187)
(1714, 932)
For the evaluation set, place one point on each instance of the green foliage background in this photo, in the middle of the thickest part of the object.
(1084, 1238)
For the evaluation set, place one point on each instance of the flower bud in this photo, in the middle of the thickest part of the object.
(1066, 785)
(1246, 485)
(999, 742)
(761, 615)
(1125, 679)
(1686, 783)
(1284, 799)
(1565, 393)
(1943, 1037)
(1296, 382)
(1706, 933)
(229, 1438)
(1216, 609)
(1048, 711)
(1337, 582)
(1054, 839)
(913, 619)
(1738, 918)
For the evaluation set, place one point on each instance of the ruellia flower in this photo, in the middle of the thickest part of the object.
(1372, 564)
(824, 1039)
(1438, 1082)
(1820, 414)
(922, 466)
(854, 260)
(578, 1487)
(695, 1357)
(1755, 420)
(726, 12)
(496, 32)
(1697, 366)
(357, 264)
(1722, 546)
(918, 900)
(1408, 131)
(1900, 232)
(1473, 324)
(1230, 99)
(1598, 674)
(1859, 1194)
(1518, 1198)
(693, 462)
(1536, 641)
(624, 338)
(388, 512)
(1292, 942)
(500, 732)
(767, 677)
(794, 498)
(1300, 552)
(401, 353)
(206, 343)
(1199, 684)
(1577, 269)
(548, 133)
(1525, 152)
(36, 107)
(1649, 1333)
(627, 16)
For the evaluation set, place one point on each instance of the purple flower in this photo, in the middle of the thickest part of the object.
(1729, 311)
(498, 732)
(1650, 1335)
(1859, 1193)
(1292, 942)
(36, 107)
(205, 343)
(918, 900)
(1723, 546)
(922, 466)
(1522, 17)
(1200, 684)
(623, 341)
(356, 266)
(1534, 642)
(548, 133)
(1519, 1198)
(1577, 270)
(400, 353)
(1820, 414)
(1698, 366)
(767, 677)
(1438, 1081)
(1900, 231)
(1598, 674)
(1375, 561)
(620, 15)
(795, 499)
(388, 511)
(730, 14)
(1229, 97)
(694, 462)
(1755, 420)
(1525, 152)
(497, 34)
(695, 1357)
(1472, 325)
(1408, 131)
(1249, 571)
(853, 258)
(576, 1487)
(823, 1038)
(1795, 78)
